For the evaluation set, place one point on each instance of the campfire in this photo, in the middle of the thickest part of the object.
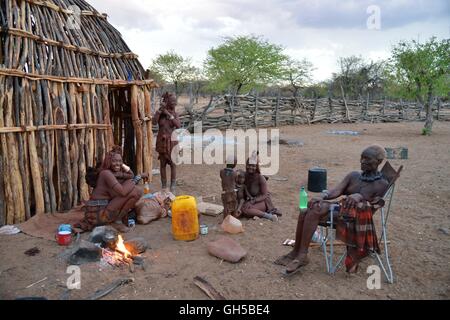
(116, 254)
(106, 246)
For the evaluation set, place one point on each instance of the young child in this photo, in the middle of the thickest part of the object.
(228, 176)
(241, 192)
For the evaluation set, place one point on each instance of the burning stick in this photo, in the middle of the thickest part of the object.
(119, 256)
(120, 246)
(208, 288)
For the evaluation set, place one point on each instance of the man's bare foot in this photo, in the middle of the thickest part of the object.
(301, 261)
(120, 227)
(285, 260)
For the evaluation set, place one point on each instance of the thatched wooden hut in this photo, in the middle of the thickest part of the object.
(69, 89)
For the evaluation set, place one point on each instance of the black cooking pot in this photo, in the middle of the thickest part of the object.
(110, 240)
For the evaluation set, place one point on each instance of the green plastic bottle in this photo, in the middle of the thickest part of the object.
(303, 199)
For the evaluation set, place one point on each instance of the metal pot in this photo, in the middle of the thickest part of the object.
(110, 240)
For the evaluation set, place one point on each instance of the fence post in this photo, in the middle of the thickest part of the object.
(438, 108)
(347, 115)
(276, 110)
(256, 110)
(191, 98)
(330, 104)
(401, 109)
(315, 107)
(293, 108)
(366, 109)
(232, 110)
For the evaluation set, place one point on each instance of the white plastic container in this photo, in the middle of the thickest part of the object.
(203, 229)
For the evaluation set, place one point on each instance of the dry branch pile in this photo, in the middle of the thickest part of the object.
(252, 111)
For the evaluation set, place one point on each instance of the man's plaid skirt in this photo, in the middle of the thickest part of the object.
(356, 229)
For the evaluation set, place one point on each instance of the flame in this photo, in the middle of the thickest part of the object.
(120, 246)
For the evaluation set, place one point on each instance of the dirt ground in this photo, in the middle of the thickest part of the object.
(420, 252)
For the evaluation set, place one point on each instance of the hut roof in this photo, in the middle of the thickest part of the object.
(65, 40)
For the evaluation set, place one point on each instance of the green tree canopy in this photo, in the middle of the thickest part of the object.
(242, 63)
(420, 71)
(173, 68)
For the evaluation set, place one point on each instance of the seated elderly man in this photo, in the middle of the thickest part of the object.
(360, 190)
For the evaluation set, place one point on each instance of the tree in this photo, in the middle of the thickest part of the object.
(348, 79)
(297, 73)
(317, 90)
(242, 63)
(375, 79)
(197, 82)
(172, 68)
(154, 75)
(358, 77)
(421, 71)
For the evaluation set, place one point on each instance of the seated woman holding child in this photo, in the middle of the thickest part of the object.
(114, 195)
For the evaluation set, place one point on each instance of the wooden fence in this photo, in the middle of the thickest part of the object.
(244, 112)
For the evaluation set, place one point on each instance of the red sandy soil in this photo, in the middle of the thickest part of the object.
(420, 252)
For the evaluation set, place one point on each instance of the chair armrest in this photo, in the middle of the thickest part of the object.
(379, 203)
(376, 204)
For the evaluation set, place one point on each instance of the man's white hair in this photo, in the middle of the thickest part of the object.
(379, 151)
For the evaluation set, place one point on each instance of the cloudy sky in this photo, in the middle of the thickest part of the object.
(320, 30)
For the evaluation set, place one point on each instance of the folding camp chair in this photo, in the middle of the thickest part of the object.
(328, 229)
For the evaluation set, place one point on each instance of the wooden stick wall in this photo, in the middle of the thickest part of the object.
(45, 168)
(64, 130)
(252, 111)
(57, 102)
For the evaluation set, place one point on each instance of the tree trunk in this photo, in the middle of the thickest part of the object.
(176, 90)
(438, 108)
(347, 114)
(238, 89)
(429, 111)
